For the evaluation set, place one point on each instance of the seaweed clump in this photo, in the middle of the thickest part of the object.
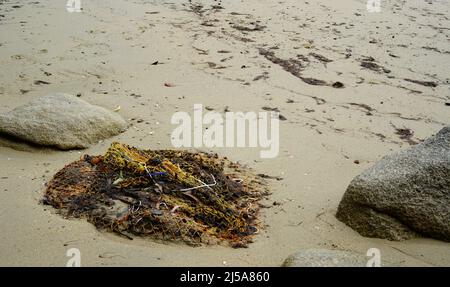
(167, 195)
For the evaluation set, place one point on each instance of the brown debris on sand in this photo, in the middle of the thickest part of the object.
(292, 66)
(405, 134)
(295, 67)
(164, 194)
(255, 27)
(423, 83)
(369, 63)
(321, 58)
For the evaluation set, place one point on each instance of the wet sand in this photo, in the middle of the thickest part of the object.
(344, 79)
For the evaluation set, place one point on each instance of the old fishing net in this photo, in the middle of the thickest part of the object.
(165, 194)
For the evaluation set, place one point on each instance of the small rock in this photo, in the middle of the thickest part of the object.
(338, 85)
(325, 258)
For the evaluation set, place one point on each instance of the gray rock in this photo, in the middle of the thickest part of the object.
(62, 121)
(404, 194)
(325, 258)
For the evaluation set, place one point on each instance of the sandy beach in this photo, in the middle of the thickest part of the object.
(149, 59)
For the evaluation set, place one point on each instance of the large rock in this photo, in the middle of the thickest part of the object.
(325, 258)
(404, 194)
(62, 121)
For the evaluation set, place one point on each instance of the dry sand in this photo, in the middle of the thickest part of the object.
(105, 53)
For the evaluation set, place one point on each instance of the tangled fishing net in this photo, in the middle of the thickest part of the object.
(165, 194)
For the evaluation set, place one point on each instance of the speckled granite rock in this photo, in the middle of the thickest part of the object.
(62, 121)
(404, 194)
